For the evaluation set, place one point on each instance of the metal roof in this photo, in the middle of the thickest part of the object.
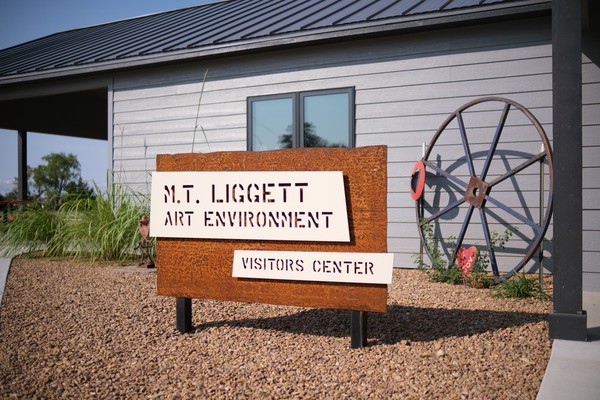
(235, 25)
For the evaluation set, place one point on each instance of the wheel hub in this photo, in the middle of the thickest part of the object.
(476, 191)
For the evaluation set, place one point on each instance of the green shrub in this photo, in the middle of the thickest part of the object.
(451, 275)
(439, 271)
(103, 227)
(519, 286)
(33, 229)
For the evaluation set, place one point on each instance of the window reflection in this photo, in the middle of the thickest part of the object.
(306, 119)
(271, 120)
(326, 120)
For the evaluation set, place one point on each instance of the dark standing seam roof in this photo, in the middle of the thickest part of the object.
(224, 23)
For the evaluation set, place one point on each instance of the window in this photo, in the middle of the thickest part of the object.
(307, 119)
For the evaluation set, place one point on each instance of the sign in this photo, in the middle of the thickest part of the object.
(314, 266)
(258, 205)
(202, 267)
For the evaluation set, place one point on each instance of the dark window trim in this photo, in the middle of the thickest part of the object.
(298, 112)
(351, 121)
(249, 100)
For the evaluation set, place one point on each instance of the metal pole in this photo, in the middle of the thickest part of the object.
(183, 314)
(567, 321)
(22, 167)
(421, 206)
(358, 329)
(541, 249)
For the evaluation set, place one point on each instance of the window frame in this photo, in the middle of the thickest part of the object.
(298, 113)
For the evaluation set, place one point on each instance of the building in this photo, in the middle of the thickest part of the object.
(199, 79)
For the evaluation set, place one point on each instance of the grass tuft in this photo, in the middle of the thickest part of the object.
(102, 228)
(520, 286)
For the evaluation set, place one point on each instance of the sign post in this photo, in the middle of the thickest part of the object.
(300, 227)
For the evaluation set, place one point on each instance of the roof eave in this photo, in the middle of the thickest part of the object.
(371, 29)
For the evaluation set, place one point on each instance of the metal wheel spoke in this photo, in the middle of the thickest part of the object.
(445, 173)
(518, 169)
(486, 233)
(461, 234)
(463, 135)
(537, 228)
(495, 141)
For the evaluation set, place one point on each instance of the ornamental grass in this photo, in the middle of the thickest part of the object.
(103, 227)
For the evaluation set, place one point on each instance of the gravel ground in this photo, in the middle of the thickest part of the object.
(75, 330)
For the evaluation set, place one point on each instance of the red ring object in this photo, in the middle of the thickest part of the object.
(415, 194)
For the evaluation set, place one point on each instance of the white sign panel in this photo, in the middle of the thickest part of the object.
(255, 205)
(374, 268)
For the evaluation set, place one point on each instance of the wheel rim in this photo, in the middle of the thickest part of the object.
(474, 191)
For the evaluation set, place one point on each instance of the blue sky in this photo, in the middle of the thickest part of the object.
(24, 20)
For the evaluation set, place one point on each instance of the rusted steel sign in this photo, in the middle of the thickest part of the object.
(316, 186)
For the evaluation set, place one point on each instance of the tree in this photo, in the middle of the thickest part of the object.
(311, 139)
(12, 195)
(58, 177)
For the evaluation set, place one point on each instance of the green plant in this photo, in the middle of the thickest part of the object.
(33, 229)
(520, 286)
(103, 227)
(433, 249)
(57, 180)
(479, 275)
(478, 279)
(439, 271)
(496, 241)
(451, 275)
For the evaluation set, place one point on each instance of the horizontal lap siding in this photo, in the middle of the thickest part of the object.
(405, 86)
(591, 162)
(404, 114)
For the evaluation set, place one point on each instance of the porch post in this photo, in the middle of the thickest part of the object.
(567, 320)
(22, 167)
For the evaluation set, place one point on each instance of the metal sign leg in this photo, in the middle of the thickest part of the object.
(184, 314)
(358, 328)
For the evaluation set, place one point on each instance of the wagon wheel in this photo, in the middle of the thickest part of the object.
(478, 183)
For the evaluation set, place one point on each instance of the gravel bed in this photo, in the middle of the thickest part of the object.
(78, 330)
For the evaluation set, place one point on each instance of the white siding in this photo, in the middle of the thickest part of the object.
(405, 86)
(591, 162)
